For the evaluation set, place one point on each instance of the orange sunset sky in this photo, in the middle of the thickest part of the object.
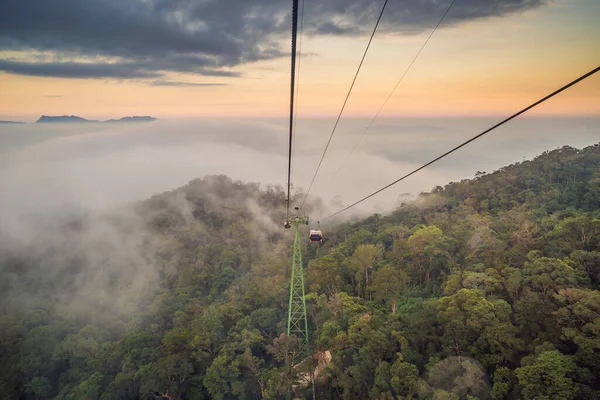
(472, 66)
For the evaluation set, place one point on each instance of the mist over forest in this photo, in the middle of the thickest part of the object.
(141, 263)
(49, 170)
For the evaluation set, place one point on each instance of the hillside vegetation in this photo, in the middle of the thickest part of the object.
(485, 288)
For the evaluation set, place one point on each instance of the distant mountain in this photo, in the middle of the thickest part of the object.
(61, 119)
(73, 118)
(133, 119)
(11, 122)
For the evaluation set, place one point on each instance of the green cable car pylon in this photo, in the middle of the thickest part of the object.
(297, 321)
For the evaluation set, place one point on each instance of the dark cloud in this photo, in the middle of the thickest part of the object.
(75, 69)
(357, 17)
(145, 38)
(183, 84)
(122, 70)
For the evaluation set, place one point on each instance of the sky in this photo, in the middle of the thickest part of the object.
(184, 58)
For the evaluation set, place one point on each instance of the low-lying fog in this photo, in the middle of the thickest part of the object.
(48, 168)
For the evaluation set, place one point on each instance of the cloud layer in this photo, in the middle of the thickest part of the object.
(145, 38)
(58, 169)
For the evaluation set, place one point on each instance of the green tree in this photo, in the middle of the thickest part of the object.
(89, 389)
(548, 275)
(548, 377)
(165, 377)
(428, 252)
(326, 272)
(389, 284)
(39, 387)
(502, 378)
(579, 319)
(581, 232)
(462, 378)
(404, 380)
(363, 260)
(465, 316)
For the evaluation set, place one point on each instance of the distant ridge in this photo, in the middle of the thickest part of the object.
(133, 119)
(64, 118)
(73, 118)
(11, 122)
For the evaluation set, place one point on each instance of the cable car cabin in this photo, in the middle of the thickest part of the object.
(315, 236)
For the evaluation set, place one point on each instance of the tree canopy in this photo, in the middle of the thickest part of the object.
(484, 288)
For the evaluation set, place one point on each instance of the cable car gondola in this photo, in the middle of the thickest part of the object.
(315, 236)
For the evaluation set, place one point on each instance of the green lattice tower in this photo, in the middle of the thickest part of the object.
(297, 322)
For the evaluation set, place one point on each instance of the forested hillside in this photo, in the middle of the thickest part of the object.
(485, 288)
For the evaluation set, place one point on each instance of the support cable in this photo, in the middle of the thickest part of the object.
(293, 76)
(581, 78)
(299, 56)
(345, 101)
(394, 89)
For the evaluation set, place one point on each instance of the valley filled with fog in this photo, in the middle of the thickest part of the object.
(71, 168)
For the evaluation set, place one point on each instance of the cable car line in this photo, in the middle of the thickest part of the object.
(394, 89)
(565, 87)
(299, 56)
(294, 34)
(345, 101)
